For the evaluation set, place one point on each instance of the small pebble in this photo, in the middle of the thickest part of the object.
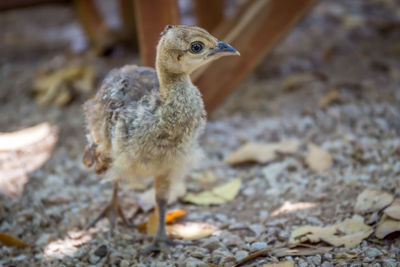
(211, 244)
(193, 262)
(316, 260)
(368, 259)
(373, 252)
(241, 254)
(124, 263)
(258, 246)
(257, 228)
(101, 251)
(326, 264)
(199, 253)
(93, 259)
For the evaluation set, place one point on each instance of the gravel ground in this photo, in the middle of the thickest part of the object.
(351, 47)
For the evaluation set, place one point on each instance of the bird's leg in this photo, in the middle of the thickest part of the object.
(111, 211)
(162, 188)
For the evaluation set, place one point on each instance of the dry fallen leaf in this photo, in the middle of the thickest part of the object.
(57, 86)
(299, 251)
(331, 97)
(318, 159)
(349, 233)
(152, 222)
(218, 195)
(286, 263)
(393, 211)
(11, 241)
(31, 148)
(261, 153)
(191, 230)
(372, 200)
(386, 226)
(297, 81)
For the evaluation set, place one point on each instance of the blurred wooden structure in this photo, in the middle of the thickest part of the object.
(254, 29)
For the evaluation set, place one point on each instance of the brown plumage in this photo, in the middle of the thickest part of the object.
(146, 123)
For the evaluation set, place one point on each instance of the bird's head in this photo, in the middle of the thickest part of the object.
(182, 49)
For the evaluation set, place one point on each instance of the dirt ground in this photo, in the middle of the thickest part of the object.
(349, 47)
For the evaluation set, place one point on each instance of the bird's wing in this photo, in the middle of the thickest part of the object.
(119, 94)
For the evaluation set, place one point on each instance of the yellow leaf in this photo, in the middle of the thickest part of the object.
(11, 241)
(330, 97)
(191, 231)
(349, 233)
(261, 153)
(387, 226)
(218, 195)
(393, 210)
(318, 159)
(372, 200)
(152, 222)
(280, 264)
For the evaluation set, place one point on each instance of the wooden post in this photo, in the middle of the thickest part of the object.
(94, 25)
(209, 13)
(129, 32)
(253, 34)
(12, 4)
(151, 17)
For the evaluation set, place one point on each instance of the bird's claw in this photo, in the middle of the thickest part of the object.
(159, 245)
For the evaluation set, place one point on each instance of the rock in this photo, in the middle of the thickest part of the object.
(211, 244)
(241, 254)
(124, 263)
(373, 252)
(303, 264)
(326, 264)
(193, 262)
(101, 251)
(257, 228)
(316, 260)
(328, 256)
(258, 246)
(199, 253)
(368, 259)
(93, 259)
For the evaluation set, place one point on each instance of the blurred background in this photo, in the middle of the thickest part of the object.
(325, 72)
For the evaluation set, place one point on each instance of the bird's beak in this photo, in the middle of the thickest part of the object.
(224, 49)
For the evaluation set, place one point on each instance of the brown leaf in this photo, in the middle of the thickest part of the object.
(393, 211)
(11, 241)
(191, 230)
(349, 233)
(318, 159)
(261, 153)
(386, 226)
(372, 200)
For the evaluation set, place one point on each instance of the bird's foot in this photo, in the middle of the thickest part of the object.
(159, 245)
(111, 212)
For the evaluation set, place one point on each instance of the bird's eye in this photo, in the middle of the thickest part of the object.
(196, 47)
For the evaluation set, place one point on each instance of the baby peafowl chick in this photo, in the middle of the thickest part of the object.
(145, 122)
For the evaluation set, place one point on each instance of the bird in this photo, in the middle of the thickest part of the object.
(145, 122)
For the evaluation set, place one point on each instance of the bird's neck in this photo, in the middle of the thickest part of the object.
(172, 83)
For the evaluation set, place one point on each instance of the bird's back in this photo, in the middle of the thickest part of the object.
(121, 97)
